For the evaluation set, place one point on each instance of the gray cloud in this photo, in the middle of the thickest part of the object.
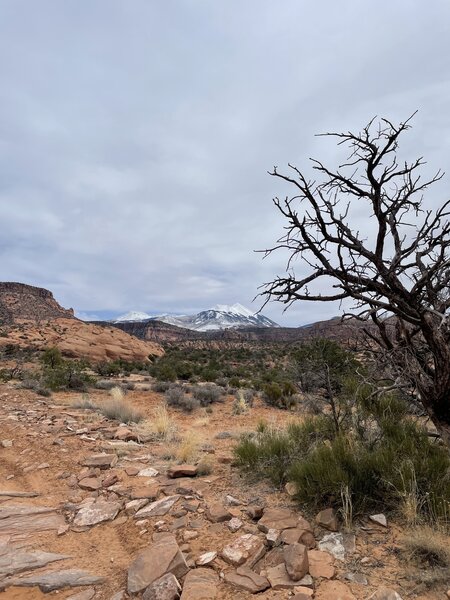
(135, 137)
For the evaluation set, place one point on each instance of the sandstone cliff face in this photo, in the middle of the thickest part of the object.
(19, 301)
(32, 318)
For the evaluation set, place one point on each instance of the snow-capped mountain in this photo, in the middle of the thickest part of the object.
(220, 316)
(133, 315)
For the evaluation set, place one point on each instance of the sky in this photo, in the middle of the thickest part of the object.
(135, 137)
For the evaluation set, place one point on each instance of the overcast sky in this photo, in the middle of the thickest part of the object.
(135, 136)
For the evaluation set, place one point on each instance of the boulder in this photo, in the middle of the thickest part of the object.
(277, 518)
(246, 579)
(216, 513)
(246, 549)
(176, 471)
(296, 561)
(327, 519)
(200, 584)
(162, 557)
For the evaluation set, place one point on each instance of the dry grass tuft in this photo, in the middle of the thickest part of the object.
(162, 424)
(427, 551)
(205, 466)
(188, 448)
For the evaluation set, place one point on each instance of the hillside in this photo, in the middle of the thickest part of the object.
(30, 317)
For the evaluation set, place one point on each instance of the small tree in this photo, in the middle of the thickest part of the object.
(397, 270)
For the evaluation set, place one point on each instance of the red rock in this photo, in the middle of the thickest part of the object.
(327, 519)
(320, 564)
(200, 584)
(216, 513)
(296, 561)
(176, 471)
(90, 483)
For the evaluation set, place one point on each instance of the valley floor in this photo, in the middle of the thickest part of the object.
(50, 441)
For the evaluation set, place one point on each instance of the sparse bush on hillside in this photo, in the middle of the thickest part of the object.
(117, 408)
(161, 386)
(280, 395)
(104, 384)
(64, 374)
(177, 397)
(207, 394)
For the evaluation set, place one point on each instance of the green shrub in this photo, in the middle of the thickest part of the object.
(280, 395)
(207, 394)
(388, 464)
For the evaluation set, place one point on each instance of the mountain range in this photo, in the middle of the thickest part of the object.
(219, 317)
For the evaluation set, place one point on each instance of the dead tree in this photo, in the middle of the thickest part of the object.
(395, 266)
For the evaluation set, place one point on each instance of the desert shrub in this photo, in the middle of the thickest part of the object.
(427, 551)
(205, 466)
(177, 397)
(104, 384)
(386, 464)
(69, 375)
(164, 372)
(161, 386)
(280, 395)
(108, 368)
(117, 408)
(207, 394)
(162, 424)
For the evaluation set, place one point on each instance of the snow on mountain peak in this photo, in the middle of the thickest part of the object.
(236, 309)
(133, 315)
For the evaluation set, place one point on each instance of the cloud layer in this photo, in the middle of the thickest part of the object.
(135, 136)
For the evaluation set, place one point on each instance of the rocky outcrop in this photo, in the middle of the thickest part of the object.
(19, 302)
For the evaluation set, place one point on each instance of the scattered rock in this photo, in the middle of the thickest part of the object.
(84, 595)
(101, 461)
(327, 519)
(379, 519)
(298, 536)
(234, 524)
(15, 561)
(296, 561)
(255, 512)
(205, 559)
(247, 549)
(385, 594)
(164, 588)
(162, 557)
(334, 590)
(176, 471)
(320, 564)
(277, 518)
(57, 580)
(216, 513)
(158, 508)
(358, 578)
(200, 584)
(96, 512)
(334, 544)
(7, 443)
(279, 578)
(290, 488)
(232, 501)
(148, 472)
(90, 483)
(246, 579)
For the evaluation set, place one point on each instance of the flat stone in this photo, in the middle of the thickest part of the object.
(176, 471)
(200, 584)
(279, 578)
(358, 578)
(385, 594)
(232, 501)
(158, 508)
(327, 519)
(379, 519)
(320, 564)
(96, 512)
(90, 483)
(246, 579)
(162, 557)
(164, 588)
(132, 471)
(150, 492)
(134, 505)
(302, 592)
(277, 518)
(17, 494)
(57, 580)
(246, 549)
(84, 595)
(14, 561)
(216, 513)
(296, 561)
(148, 472)
(101, 461)
(22, 520)
(333, 590)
